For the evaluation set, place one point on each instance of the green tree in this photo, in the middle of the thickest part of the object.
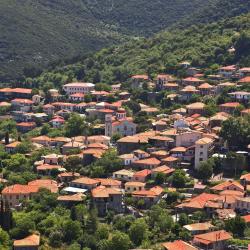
(236, 131)
(71, 230)
(55, 239)
(179, 178)
(138, 231)
(76, 125)
(183, 219)
(102, 232)
(73, 163)
(160, 178)
(92, 221)
(4, 238)
(236, 225)
(120, 241)
(205, 169)
(102, 86)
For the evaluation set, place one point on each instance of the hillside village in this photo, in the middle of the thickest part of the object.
(154, 163)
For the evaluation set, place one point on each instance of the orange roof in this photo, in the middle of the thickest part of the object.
(20, 189)
(192, 79)
(104, 192)
(178, 245)
(226, 185)
(198, 201)
(205, 86)
(97, 145)
(148, 161)
(163, 169)
(48, 167)
(86, 181)
(212, 237)
(96, 152)
(245, 80)
(246, 218)
(134, 184)
(68, 174)
(74, 197)
(108, 182)
(16, 90)
(152, 192)
(245, 177)
(245, 111)
(170, 159)
(45, 183)
(196, 105)
(229, 68)
(230, 104)
(144, 77)
(29, 241)
(4, 104)
(63, 104)
(179, 149)
(143, 173)
(41, 138)
(199, 226)
(232, 192)
(26, 124)
(20, 100)
(13, 144)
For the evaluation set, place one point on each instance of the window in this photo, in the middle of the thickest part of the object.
(201, 159)
(201, 153)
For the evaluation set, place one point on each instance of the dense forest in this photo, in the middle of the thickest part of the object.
(35, 33)
(203, 45)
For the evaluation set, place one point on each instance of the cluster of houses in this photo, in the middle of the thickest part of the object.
(180, 140)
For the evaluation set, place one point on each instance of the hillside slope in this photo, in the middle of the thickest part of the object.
(203, 46)
(215, 11)
(37, 32)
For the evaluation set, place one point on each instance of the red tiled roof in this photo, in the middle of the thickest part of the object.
(245, 80)
(86, 181)
(199, 201)
(29, 241)
(48, 167)
(152, 192)
(211, 237)
(246, 218)
(230, 104)
(26, 124)
(178, 245)
(104, 192)
(144, 77)
(143, 173)
(226, 184)
(148, 161)
(192, 79)
(16, 90)
(20, 100)
(229, 68)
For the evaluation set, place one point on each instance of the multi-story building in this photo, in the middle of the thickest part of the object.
(78, 87)
(120, 124)
(106, 199)
(203, 150)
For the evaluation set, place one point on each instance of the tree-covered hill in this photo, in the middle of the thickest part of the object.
(203, 45)
(215, 11)
(34, 33)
